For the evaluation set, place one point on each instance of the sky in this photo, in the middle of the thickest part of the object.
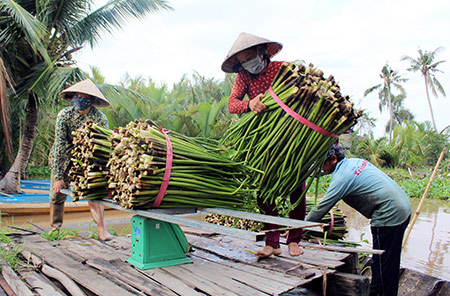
(349, 39)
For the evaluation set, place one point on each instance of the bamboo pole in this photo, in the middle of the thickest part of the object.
(423, 196)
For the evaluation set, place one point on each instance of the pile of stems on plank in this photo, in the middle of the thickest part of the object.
(287, 151)
(90, 154)
(336, 234)
(200, 176)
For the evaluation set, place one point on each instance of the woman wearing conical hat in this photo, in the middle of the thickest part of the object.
(250, 57)
(85, 97)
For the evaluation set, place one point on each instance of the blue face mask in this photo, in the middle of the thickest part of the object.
(81, 104)
(255, 65)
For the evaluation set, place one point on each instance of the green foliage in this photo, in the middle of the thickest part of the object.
(37, 40)
(413, 144)
(11, 255)
(7, 253)
(45, 134)
(59, 234)
(4, 238)
(37, 172)
(371, 149)
(397, 174)
(193, 107)
(413, 183)
(321, 188)
(440, 188)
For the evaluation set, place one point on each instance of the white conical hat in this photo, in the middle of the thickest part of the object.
(244, 41)
(85, 87)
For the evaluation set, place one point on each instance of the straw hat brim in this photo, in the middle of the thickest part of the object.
(85, 87)
(243, 42)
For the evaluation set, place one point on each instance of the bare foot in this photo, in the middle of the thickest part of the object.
(267, 251)
(104, 235)
(294, 249)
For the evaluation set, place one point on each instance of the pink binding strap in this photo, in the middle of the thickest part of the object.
(299, 117)
(332, 222)
(166, 177)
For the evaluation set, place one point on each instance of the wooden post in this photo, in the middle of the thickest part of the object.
(423, 196)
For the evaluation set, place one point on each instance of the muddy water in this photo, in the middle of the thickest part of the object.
(118, 221)
(427, 247)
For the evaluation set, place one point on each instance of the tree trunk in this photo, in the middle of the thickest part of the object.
(391, 113)
(10, 182)
(429, 104)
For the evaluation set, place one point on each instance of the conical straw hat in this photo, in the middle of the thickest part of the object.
(244, 41)
(85, 87)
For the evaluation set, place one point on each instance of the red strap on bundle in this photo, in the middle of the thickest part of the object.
(318, 240)
(331, 226)
(166, 177)
(332, 222)
(299, 117)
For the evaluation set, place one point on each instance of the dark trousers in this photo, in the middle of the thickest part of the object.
(386, 267)
(299, 212)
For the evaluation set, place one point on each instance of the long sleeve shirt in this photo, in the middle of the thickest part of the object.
(67, 121)
(251, 85)
(366, 189)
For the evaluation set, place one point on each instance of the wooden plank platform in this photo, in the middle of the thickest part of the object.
(222, 265)
(172, 216)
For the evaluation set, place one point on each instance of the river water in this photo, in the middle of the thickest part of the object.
(427, 248)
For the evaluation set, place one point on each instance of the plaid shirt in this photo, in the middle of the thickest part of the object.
(69, 120)
(246, 85)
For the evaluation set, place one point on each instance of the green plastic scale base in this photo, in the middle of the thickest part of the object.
(156, 243)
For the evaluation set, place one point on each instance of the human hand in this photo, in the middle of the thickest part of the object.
(58, 185)
(255, 104)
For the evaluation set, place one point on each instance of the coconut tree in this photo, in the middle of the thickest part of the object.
(391, 79)
(400, 113)
(428, 67)
(37, 40)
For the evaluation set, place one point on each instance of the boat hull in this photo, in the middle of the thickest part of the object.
(34, 200)
(17, 209)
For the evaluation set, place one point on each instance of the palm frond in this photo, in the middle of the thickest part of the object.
(112, 15)
(439, 86)
(61, 78)
(31, 27)
(371, 89)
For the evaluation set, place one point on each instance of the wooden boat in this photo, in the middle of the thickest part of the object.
(34, 200)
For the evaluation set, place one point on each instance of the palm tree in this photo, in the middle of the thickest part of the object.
(37, 40)
(426, 65)
(372, 149)
(400, 113)
(390, 79)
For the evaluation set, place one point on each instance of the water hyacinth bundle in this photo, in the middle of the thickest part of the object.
(90, 154)
(199, 177)
(285, 148)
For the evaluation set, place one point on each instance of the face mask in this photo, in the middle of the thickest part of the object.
(81, 104)
(255, 65)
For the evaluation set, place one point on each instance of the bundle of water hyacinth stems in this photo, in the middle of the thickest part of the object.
(287, 150)
(90, 154)
(138, 167)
